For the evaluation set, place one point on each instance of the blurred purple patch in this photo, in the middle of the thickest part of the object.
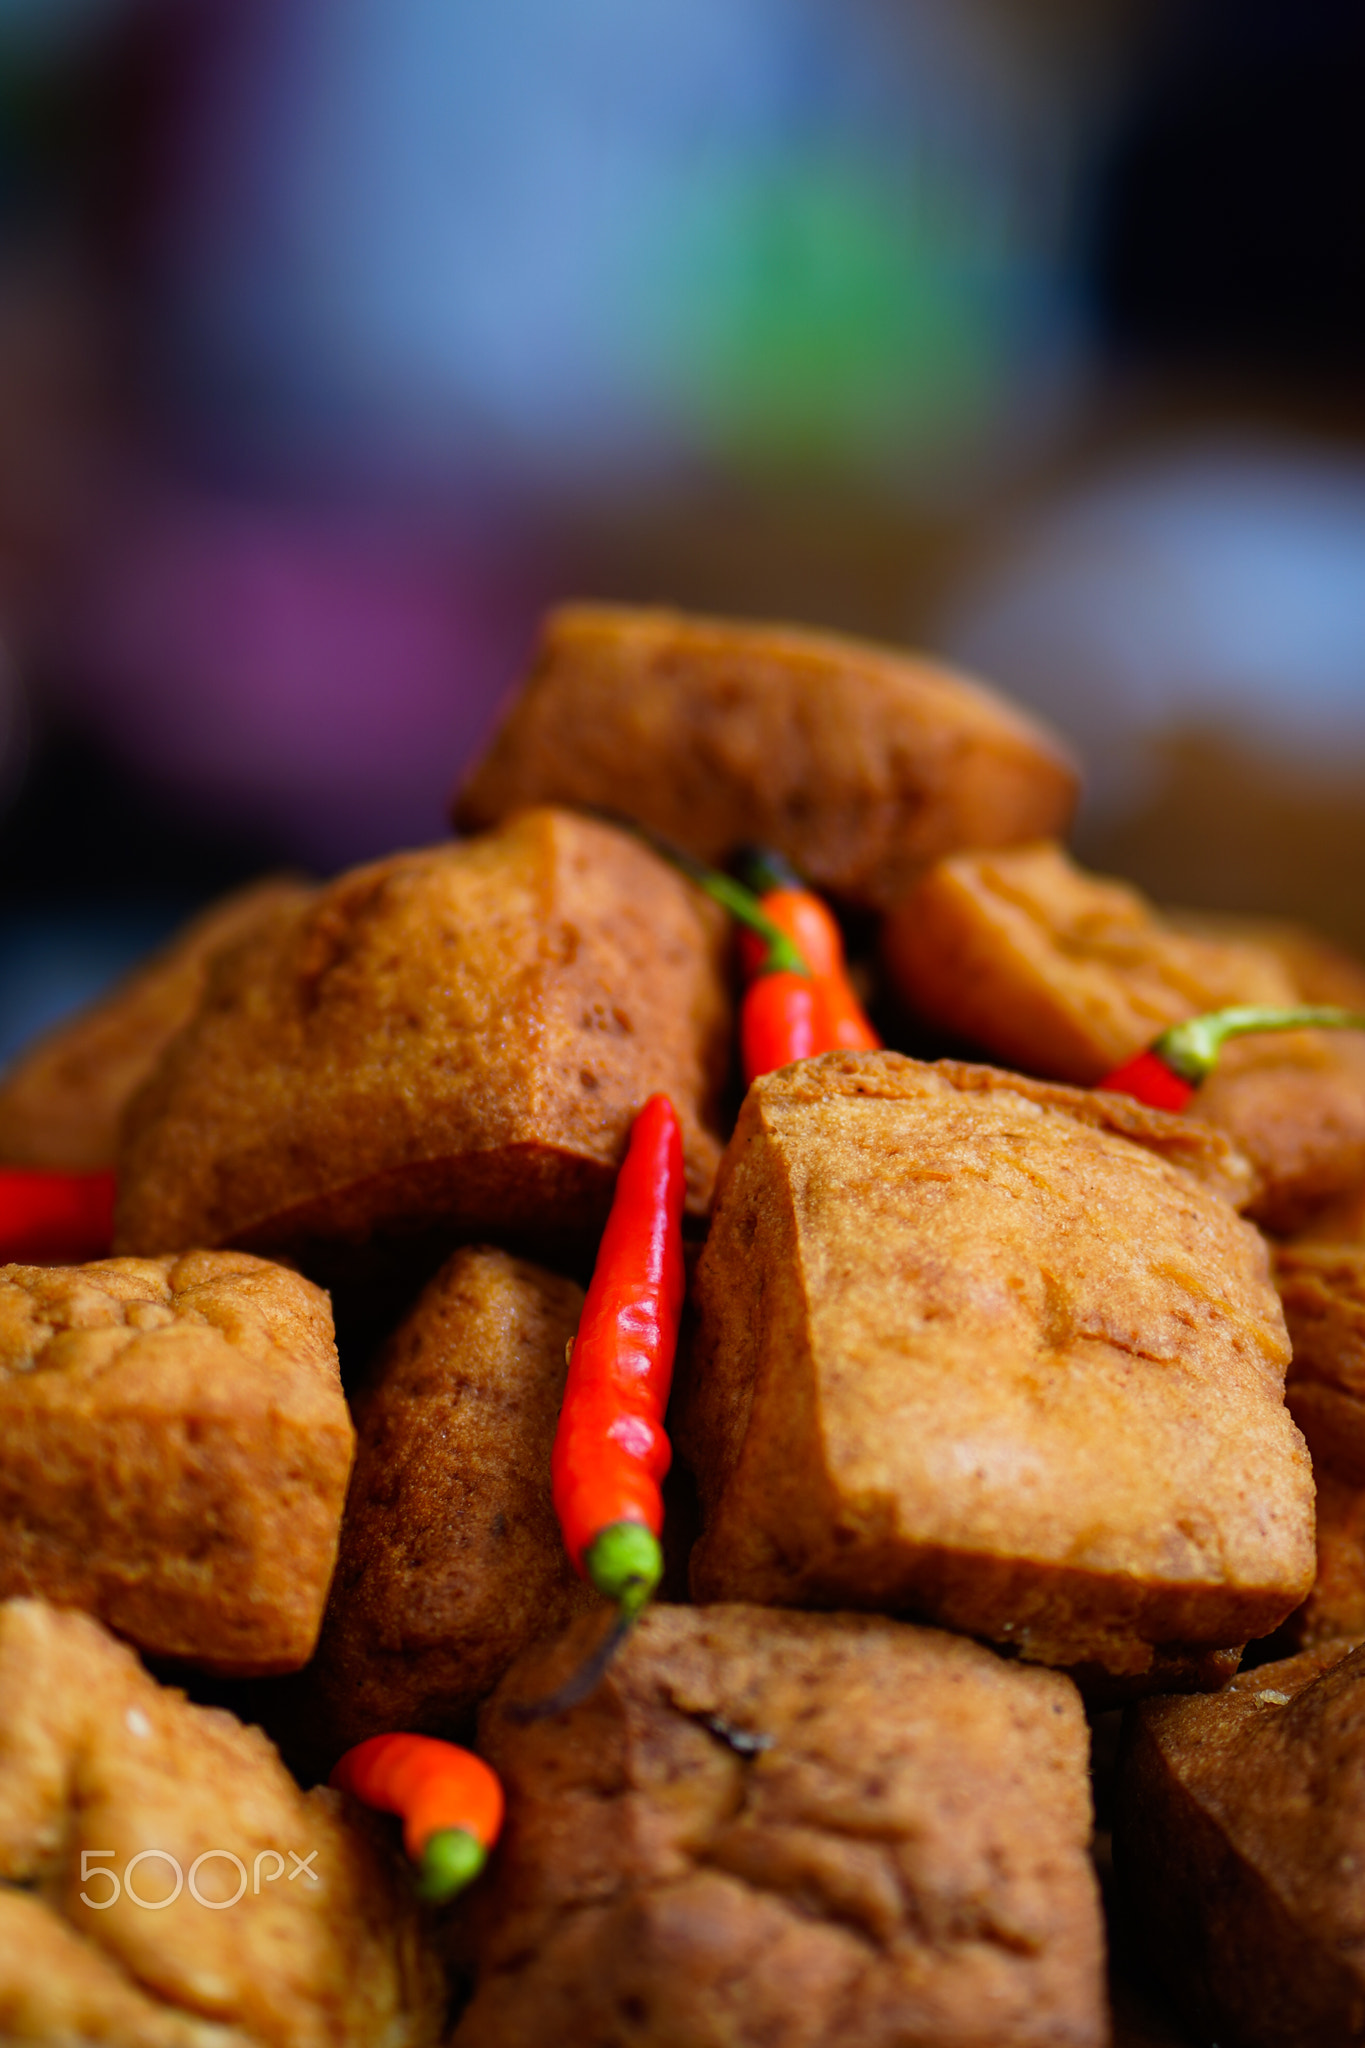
(320, 678)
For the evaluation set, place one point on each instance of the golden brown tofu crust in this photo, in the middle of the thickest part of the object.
(177, 1447)
(61, 1100)
(100, 1767)
(1294, 1102)
(1322, 1287)
(1069, 974)
(859, 763)
(829, 1831)
(451, 1558)
(1239, 1839)
(1336, 1605)
(1321, 971)
(1057, 971)
(459, 1036)
(964, 1351)
(1341, 1223)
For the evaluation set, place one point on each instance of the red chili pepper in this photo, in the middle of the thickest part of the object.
(842, 1023)
(776, 1025)
(54, 1218)
(610, 1451)
(450, 1800)
(1167, 1074)
(1147, 1078)
(780, 1020)
(808, 1009)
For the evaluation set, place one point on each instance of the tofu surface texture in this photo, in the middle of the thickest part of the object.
(1059, 971)
(828, 1831)
(859, 763)
(177, 1448)
(146, 1852)
(1068, 974)
(1322, 1288)
(999, 1354)
(1336, 1605)
(1239, 1842)
(451, 1558)
(459, 1036)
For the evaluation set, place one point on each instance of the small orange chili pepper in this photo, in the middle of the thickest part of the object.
(54, 1218)
(814, 930)
(778, 1024)
(780, 1020)
(450, 1800)
(611, 1453)
(1167, 1073)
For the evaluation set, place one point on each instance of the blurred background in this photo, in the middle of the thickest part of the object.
(338, 337)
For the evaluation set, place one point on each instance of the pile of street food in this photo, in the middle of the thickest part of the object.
(1003, 1400)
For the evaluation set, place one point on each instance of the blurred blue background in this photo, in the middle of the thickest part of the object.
(337, 337)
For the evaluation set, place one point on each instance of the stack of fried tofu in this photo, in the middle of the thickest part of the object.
(980, 1411)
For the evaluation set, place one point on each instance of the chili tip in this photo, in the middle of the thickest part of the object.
(625, 1563)
(451, 1859)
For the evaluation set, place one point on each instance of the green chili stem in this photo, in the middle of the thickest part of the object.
(760, 868)
(782, 957)
(451, 1859)
(1191, 1049)
(625, 1563)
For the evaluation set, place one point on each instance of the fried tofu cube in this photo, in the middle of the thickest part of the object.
(1320, 970)
(829, 1831)
(177, 1447)
(859, 763)
(164, 1881)
(999, 1354)
(1341, 1223)
(1294, 1102)
(1336, 1605)
(451, 1558)
(1239, 1842)
(457, 1037)
(62, 1098)
(1057, 971)
(1322, 1287)
(1068, 974)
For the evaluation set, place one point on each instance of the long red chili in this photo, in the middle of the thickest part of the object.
(611, 1453)
(1171, 1068)
(450, 1800)
(54, 1218)
(839, 1020)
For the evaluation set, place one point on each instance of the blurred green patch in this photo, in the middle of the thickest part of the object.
(817, 316)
